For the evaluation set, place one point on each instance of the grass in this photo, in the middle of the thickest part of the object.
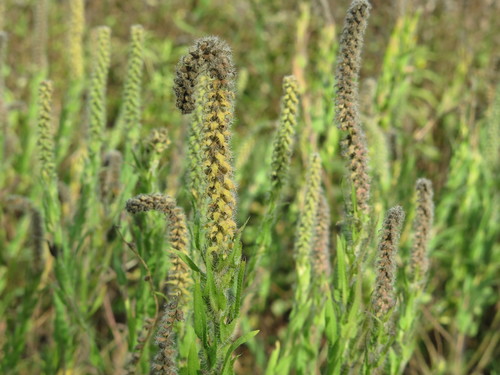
(353, 228)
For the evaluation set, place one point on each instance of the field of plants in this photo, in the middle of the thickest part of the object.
(249, 187)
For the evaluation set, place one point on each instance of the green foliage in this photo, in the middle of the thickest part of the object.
(277, 260)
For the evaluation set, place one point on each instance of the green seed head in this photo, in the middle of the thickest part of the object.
(98, 88)
(76, 30)
(285, 137)
(132, 90)
(45, 132)
(306, 227)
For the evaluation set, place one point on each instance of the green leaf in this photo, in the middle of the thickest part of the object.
(186, 259)
(273, 360)
(341, 269)
(200, 322)
(240, 341)
(193, 362)
(331, 328)
(239, 285)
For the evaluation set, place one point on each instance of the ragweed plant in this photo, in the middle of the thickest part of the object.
(217, 293)
(213, 56)
(86, 288)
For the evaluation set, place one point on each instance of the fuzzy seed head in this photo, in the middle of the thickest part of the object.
(384, 295)
(179, 279)
(349, 63)
(132, 90)
(321, 244)
(196, 178)
(285, 137)
(98, 83)
(306, 227)
(346, 105)
(45, 132)
(158, 140)
(422, 226)
(209, 55)
(212, 57)
(165, 361)
(76, 30)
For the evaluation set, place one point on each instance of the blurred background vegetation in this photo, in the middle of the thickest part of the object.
(430, 85)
